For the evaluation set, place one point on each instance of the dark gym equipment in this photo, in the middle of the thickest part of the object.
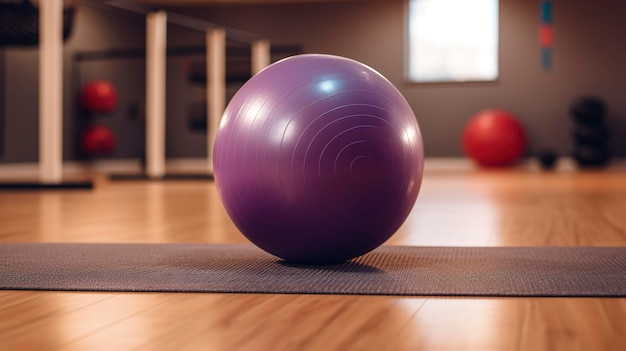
(37, 186)
(547, 159)
(238, 65)
(589, 111)
(590, 132)
(591, 135)
(19, 23)
(196, 117)
(590, 156)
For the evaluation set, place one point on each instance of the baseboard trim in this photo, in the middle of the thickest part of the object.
(563, 164)
(200, 165)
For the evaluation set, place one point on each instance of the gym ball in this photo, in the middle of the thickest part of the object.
(97, 140)
(318, 159)
(99, 96)
(494, 138)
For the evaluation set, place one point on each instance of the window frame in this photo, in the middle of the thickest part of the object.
(407, 55)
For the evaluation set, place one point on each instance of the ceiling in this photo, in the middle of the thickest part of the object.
(224, 2)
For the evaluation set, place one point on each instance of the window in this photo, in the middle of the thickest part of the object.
(452, 40)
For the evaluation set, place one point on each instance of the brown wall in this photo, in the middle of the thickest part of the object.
(98, 28)
(94, 28)
(589, 56)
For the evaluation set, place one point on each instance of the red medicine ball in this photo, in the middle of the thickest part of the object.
(97, 140)
(99, 96)
(494, 138)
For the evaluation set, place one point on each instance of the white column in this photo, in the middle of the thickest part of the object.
(216, 85)
(156, 45)
(261, 55)
(51, 91)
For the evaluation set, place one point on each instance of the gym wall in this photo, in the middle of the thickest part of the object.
(99, 28)
(588, 59)
(95, 28)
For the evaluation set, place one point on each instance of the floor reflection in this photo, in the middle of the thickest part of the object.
(449, 212)
(50, 217)
(447, 323)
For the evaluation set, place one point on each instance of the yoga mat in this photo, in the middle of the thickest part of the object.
(389, 270)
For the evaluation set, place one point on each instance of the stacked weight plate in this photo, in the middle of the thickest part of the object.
(590, 132)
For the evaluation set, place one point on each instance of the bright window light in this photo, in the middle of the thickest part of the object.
(452, 40)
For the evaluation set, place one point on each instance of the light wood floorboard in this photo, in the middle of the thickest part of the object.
(496, 208)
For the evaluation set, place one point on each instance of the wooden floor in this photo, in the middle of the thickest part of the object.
(505, 208)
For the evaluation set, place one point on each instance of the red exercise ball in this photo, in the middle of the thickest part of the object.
(494, 137)
(97, 140)
(99, 96)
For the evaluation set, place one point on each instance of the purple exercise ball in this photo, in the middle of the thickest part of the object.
(318, 159)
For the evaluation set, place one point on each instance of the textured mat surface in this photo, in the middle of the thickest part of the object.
(389, 270)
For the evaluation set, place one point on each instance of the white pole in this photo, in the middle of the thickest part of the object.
(261, 55)
(51, 91)
(156, 44)
(216, 85)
